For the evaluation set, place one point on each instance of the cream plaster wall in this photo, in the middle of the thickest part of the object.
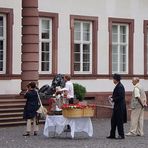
(133, 9)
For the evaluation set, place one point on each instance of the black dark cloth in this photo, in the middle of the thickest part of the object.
(119, 115)
(31, 105)
(71, 101)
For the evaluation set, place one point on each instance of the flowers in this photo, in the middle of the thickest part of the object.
(77, 106)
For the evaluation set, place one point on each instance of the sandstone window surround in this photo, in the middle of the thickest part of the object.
(84, 30)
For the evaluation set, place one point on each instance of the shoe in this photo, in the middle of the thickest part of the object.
(140, 135)
(35, 134)
(111, 137)
(120, 137)
(26, 134)
(130, 134)
(67, 130)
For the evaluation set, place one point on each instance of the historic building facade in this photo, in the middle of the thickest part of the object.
(90, 40)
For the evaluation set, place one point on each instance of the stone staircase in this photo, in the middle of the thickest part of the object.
(11, 110)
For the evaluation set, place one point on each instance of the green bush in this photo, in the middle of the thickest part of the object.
(79, 91)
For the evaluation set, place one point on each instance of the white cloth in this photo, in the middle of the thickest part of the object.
(70, 89)
(57, 124)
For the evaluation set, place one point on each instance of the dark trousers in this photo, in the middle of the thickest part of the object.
(117, 121)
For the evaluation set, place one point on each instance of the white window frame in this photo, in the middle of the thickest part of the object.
(4, 44)
(118, 48)
(81, 42)
(40, 45)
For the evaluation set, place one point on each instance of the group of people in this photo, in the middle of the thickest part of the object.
(119, 114)
(32, 104)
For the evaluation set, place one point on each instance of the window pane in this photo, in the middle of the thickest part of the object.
(1, 26)
(123, 30)
(86, 48)
(45, 66)
(114, 58)
(45, 46)
(86, 31)
(45, 34)
(122, 58)
(115, 29)
(115, 38)
(77, 48)
(77, 31)
(45, 56)
(45, 24)
(123, 34)
(122, 67)
(1, 45)
(1, 31)
(86, 66)
(77, 57)
(86, 57)
(1, 66)
(115, 49)
(115, 67)
(123, 38)
(1, 55)
(114, 33)
(45, 29)
(76, 66)
(86, 53)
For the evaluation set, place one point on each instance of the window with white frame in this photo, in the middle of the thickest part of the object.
(2, 44)
(45, 56)
(82, 47)
(120, 48)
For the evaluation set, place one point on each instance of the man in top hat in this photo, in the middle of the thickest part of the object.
(119, 114)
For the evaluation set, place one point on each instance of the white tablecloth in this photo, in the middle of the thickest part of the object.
(57, 124)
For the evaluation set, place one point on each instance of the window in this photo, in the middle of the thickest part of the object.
(48, 37)
(45, 45)
(145, 47)
(6, 24)
(2, 44)
(120, 46)
(84, 45)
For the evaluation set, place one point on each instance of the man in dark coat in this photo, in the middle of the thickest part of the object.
(119, 115)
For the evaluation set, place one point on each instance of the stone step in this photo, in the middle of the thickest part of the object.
(10, 109)
(11, 100)
(11, 114)
(11, 105)
(14, 123)
(4, 119)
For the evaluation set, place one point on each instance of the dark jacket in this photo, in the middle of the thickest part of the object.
(119, 102)
(31, 105)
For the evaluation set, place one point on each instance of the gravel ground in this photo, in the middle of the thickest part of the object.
(11, 137)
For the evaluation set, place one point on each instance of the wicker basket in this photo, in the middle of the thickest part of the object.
(72, 113)
(88, 112)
